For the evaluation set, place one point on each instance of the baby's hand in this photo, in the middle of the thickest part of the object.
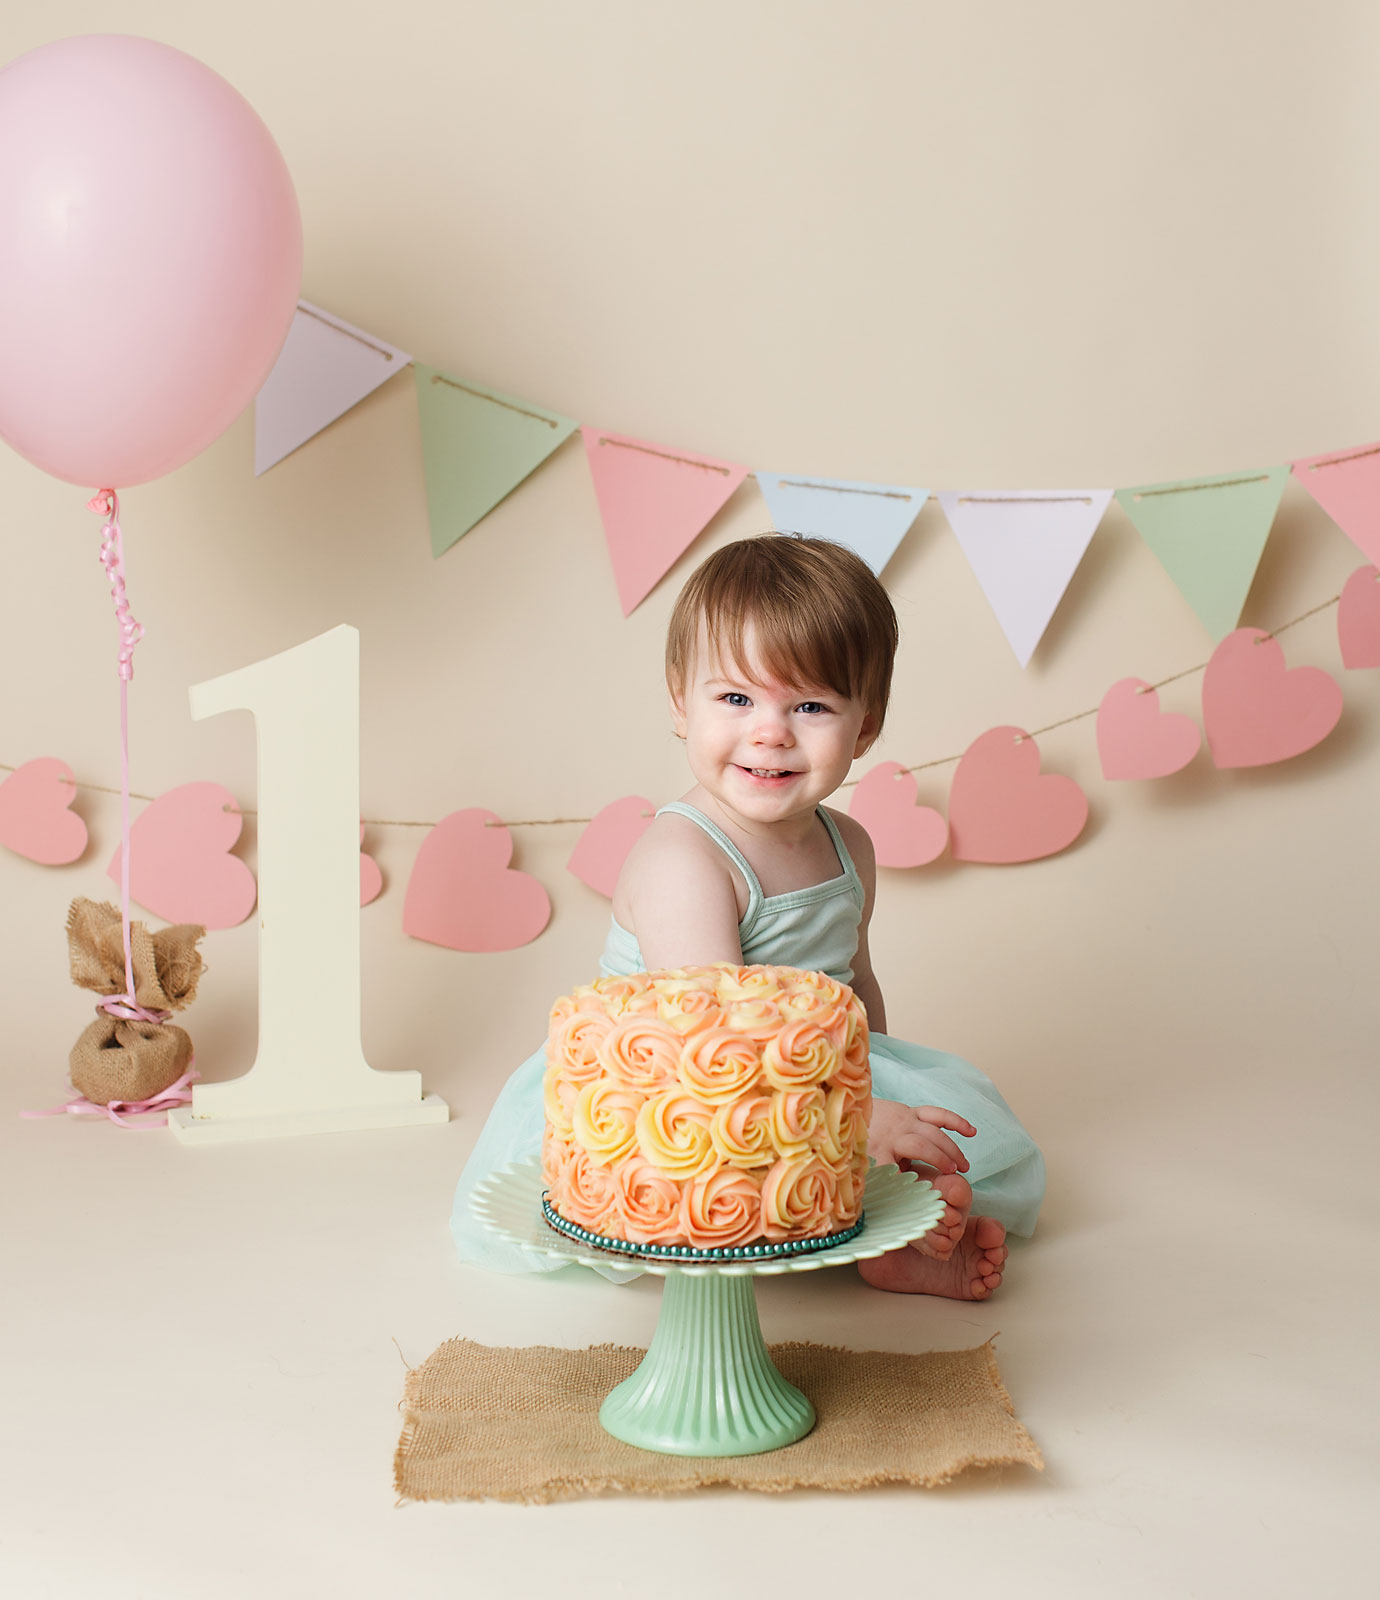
(912, 1133)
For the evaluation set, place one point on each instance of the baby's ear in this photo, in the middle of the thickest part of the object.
(677, 705)
(867, 736)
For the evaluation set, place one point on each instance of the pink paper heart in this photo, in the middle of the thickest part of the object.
(1256, 710)
(1136, 739)
(34, 819)
(905, 834)
(462, 893)
(180, 866)
(370, 878)
(1358, 619)
(601, 849)
(1002, 809)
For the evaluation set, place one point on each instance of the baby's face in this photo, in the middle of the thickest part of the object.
(767, 751)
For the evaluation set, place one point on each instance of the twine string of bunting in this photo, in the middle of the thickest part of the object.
(920, 766)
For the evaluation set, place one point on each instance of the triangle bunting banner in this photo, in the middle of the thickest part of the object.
(1346, 484)
(655, 503)
(477, 446)
(1024, 545)
(871, 518)
(324, 368)
(1208, 534)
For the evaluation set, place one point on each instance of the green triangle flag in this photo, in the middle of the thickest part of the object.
(1208, 534)
(477, 446)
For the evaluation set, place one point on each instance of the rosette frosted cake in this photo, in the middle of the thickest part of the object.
(718, 1108)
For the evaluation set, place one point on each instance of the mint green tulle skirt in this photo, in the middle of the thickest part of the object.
(1006, 1169)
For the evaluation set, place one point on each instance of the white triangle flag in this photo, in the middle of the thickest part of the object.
(325, 367)
(871, 518)
(1025, 546)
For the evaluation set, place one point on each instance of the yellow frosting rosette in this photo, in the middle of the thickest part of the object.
(846, 1123)
(673, 1134)
(798, 1120)
(646, 1203)
(800, 1199)
(802, 1053)
(641, 1052)
(854, 1070)
(558, 1099)
(756, 1016)
(748, 983)
(718, 1065)
(690, 1010)
(721, 1209)
(604, 1121)
(617, 992)
(741, 1132)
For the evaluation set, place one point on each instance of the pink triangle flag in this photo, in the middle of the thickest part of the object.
(1024, 545)
(326, 366)
(655, 503)
(1346, 484)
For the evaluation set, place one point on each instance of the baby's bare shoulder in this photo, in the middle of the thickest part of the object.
(671, 858)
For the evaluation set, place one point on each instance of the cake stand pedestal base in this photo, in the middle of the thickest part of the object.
(707, 1386)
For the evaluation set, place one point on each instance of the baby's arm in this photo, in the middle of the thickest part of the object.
(898, 1132)
(676, 895)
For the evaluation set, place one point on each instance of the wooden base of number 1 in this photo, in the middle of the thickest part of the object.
(310, 1075)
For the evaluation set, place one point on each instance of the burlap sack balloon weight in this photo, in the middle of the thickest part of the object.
(130, 1058)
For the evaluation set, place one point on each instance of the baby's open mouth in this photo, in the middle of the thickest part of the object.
(770, 772)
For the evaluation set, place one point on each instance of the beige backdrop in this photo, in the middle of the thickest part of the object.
(1010, 246)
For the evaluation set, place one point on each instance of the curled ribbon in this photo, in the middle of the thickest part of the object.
(119, 1111)
(113, 560)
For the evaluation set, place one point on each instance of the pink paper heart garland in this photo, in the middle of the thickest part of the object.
(1258, 711)
(34, 817)
(1358, 619)
(602, 848)
(462, 893)
(904, 833)
(1135, 739)
(180, 866)
(1002, 809)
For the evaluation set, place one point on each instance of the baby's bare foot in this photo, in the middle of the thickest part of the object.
(971, 1272)
(957, 1195)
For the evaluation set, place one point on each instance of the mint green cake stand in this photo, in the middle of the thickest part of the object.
(707, 1385)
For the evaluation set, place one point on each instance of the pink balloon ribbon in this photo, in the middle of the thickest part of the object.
(131, 631)
(176, 1094)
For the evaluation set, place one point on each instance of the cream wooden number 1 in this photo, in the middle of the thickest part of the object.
(310, 1075)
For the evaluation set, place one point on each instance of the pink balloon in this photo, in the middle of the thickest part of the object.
(150, 257)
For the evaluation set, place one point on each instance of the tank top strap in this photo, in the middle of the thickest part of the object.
(734, 854)
(845, 859)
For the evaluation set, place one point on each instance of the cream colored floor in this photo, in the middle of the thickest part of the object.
(203, 1355)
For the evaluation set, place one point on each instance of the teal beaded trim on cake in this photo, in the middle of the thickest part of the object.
(685, 1252)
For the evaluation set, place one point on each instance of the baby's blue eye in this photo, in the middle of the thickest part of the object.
(811, 705)
(735, 699)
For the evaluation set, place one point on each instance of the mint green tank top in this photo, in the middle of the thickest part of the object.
(815, 928)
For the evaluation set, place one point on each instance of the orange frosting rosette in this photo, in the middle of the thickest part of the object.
(640, 1052)
(756, 1016)
(854, 1070)
(846, 1124)
(801, 1054)
(800, 1199)
(556, 1156)
(646, 1203)
(673, 1134)
(574, 1043)
(587, 1195)
(718, 1065)
(604, 1121)
(617, 992)
(721, 1209)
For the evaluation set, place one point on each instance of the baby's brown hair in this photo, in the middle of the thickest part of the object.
(820, 614)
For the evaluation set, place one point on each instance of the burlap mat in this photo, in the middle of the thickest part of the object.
(484, 1422)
